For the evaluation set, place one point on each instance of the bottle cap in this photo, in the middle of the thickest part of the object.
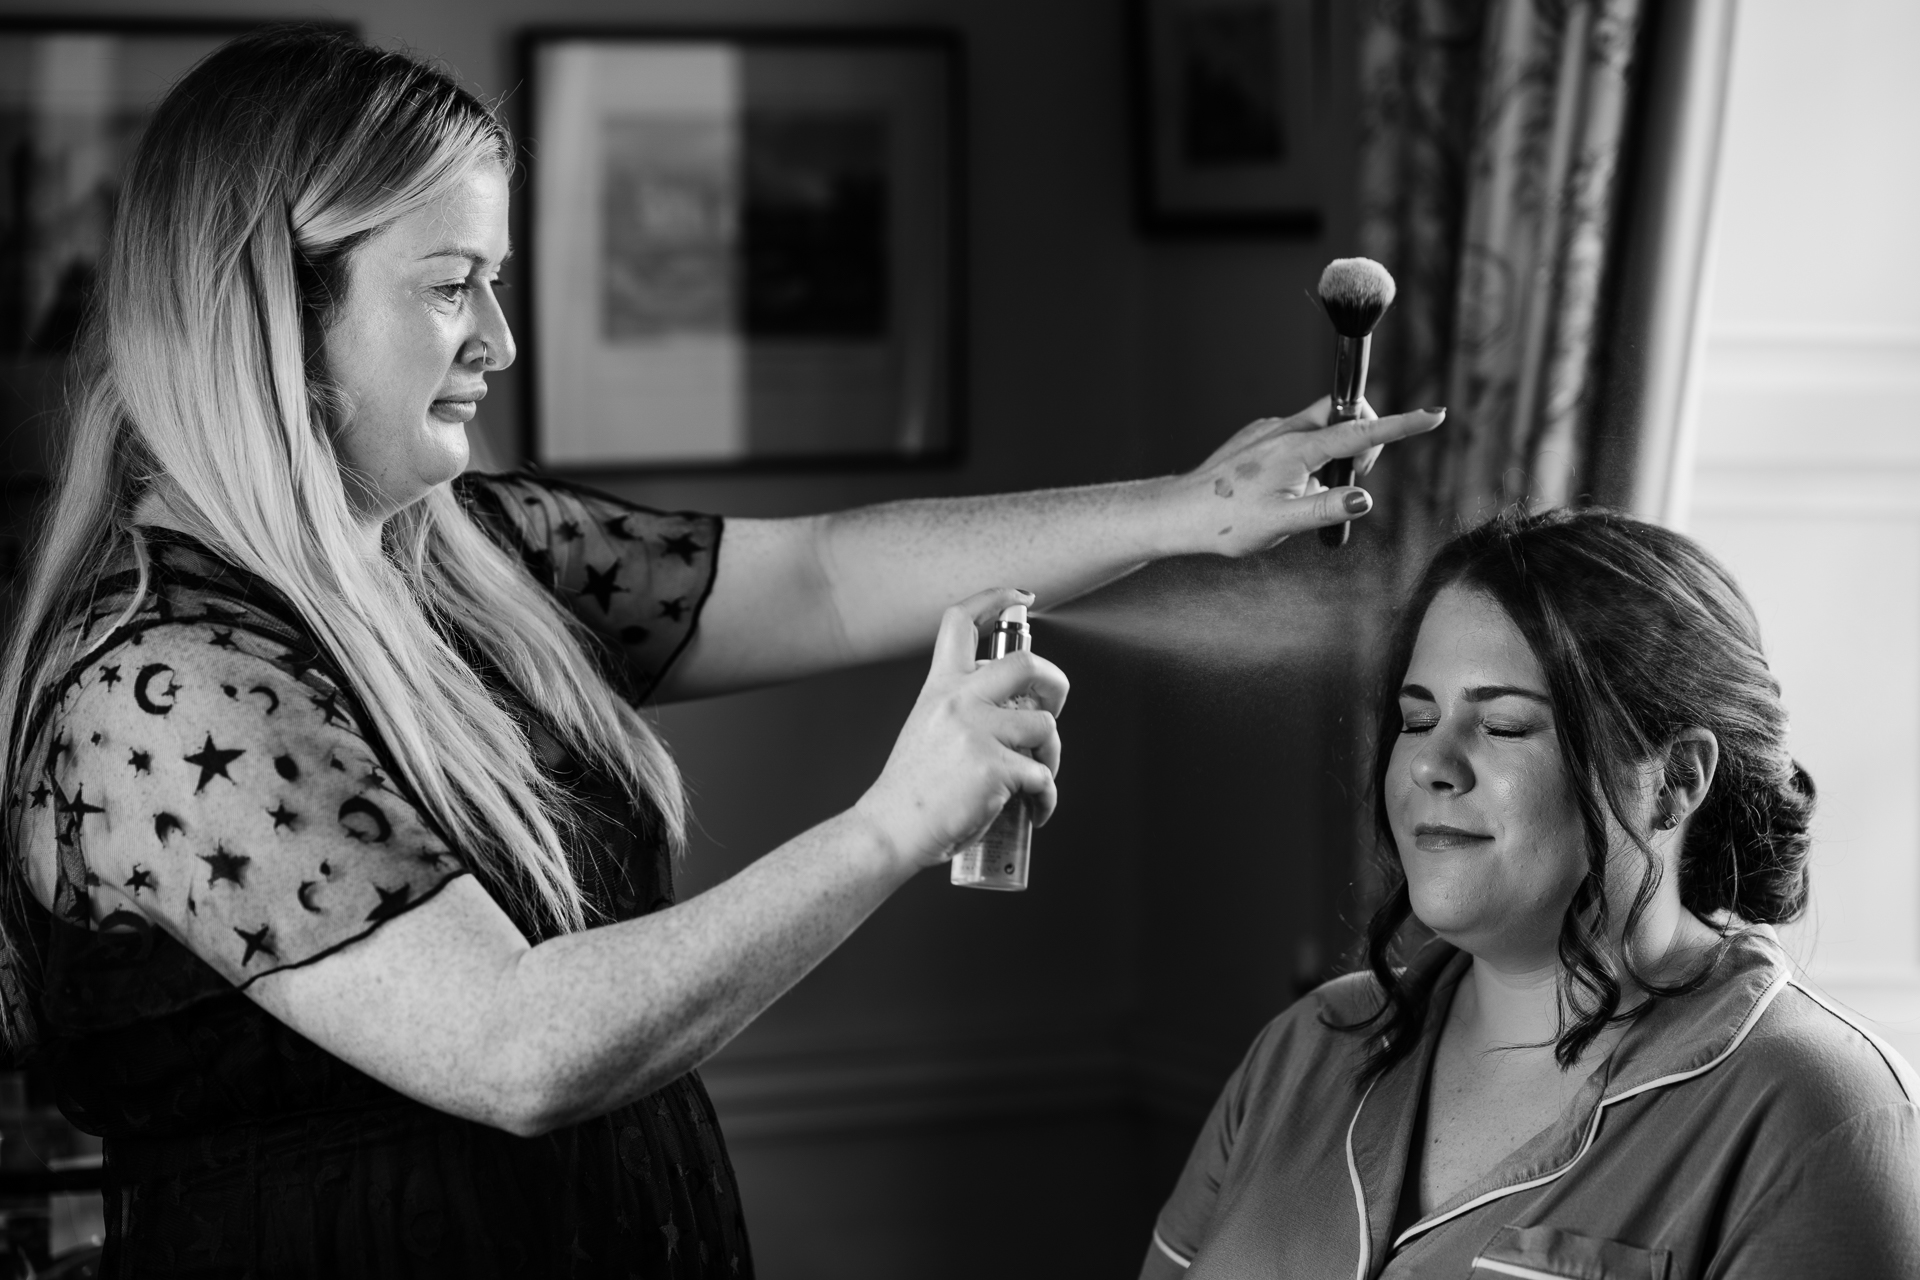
(1014, 613)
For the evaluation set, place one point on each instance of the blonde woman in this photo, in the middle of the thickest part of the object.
(340, 899)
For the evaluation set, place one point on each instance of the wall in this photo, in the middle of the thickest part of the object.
(1045, 1057)
(1807, 471)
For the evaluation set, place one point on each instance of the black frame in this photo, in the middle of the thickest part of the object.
(946, 41)
(1150, 213)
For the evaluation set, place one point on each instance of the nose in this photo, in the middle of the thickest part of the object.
(1440, 766)
(490, 346)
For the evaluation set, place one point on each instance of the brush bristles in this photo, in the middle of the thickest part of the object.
(1356, 292)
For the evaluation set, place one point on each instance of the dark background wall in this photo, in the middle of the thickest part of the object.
(980, 1082)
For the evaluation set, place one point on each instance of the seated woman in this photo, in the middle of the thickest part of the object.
(1600, 1064)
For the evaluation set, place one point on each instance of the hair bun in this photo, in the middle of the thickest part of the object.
(1747, 852)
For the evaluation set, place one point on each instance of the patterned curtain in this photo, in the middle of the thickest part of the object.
(1491, 154)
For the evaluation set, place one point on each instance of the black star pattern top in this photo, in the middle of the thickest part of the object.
(637, 578)
(208, 803)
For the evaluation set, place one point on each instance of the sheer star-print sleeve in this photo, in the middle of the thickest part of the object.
(636, 577)
(212, 781)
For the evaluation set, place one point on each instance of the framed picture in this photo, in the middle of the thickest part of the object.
(1230, 113)
(74, 96)
(745, 248)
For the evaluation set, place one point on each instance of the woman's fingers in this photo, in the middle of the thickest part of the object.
(959, 637)
(1034, 732)
(1003, 680)
(1356, 437)
(1033, 780)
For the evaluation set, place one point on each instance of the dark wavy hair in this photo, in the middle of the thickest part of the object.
(1641, 634)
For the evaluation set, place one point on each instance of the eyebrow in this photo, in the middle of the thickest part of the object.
(1479, 693)
(477, 256)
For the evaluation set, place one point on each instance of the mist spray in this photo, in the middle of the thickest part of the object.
(998, 859)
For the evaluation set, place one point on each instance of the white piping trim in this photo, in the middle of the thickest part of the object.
(1515, 1269)
(1778, 985)
(1167, 1249)
(1359, 1189)
(1903, 1072)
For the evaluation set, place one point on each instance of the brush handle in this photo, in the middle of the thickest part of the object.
(1349, 389)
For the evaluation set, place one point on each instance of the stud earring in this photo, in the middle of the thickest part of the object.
(1668, 820)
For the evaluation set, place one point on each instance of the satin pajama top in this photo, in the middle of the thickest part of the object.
(1751, 1129)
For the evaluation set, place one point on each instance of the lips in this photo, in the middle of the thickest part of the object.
(1436, 837)
(458, 407)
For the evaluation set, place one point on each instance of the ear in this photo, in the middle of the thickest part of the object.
(1692, 758)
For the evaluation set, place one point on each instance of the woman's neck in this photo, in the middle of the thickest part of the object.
(1509, 1000)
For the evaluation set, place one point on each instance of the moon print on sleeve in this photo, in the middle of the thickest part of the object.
(199, 752)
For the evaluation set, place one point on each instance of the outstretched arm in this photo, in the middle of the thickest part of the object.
(797, 597)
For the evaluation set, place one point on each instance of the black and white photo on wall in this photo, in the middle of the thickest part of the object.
(74, 97)
(745, 248)
(1230, 114)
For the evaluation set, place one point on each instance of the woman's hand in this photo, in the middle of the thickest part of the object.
(963, 752)
(1258, 487)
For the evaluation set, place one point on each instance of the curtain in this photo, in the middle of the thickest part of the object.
(1494, 134)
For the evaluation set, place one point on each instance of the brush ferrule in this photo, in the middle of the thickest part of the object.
(1349, 376)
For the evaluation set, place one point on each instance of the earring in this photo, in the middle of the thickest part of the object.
(1668, 820)
(486, 353)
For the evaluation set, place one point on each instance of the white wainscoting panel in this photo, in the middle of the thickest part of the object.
(1807, 485)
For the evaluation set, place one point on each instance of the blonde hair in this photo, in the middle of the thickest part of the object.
(261, 172)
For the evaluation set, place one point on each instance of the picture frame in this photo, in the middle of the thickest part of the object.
(745, 248)
(75, 94)
(1231, 115)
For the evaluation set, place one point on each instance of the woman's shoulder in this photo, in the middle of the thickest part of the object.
(1818, 1058)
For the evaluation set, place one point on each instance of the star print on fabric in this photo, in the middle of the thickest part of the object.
(282, 816)
(392, 903)
(140, 879)
(212, 762)
(603, 585)
(258, 941)
(297, 660)
(617, 527)
(569, 530)
(110, 676)
(39, 795)
(141, 761)
(674, 609)
(374, 778)
(76, 809)
(222, 865)
(329, 707)
(222, 639)
(681, 545)
(94, 738)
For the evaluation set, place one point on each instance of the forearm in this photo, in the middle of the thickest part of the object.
(593, 1020)
(890, 569)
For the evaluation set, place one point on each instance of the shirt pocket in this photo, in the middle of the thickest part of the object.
(1550, 1253)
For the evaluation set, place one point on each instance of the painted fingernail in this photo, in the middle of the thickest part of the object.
(1357, 501)
(1437, 408)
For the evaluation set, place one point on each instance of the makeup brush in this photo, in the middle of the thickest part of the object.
(1355, 293)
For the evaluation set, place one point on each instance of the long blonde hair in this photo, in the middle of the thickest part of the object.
(261, 172)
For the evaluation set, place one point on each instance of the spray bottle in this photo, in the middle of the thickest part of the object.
(998, 859)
